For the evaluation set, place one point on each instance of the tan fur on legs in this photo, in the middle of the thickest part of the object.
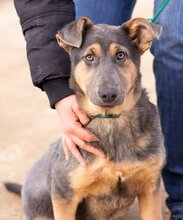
(63, 209)
(150, 205)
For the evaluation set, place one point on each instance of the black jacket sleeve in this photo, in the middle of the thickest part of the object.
(49, 64)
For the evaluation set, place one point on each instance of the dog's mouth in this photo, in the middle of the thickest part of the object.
(96, 109)
(107, 105)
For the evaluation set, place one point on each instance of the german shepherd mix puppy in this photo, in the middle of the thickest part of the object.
(107, 82)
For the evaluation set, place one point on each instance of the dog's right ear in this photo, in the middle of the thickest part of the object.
(72, 34)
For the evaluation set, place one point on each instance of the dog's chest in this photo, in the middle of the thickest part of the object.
(110, 188)
(102, 177)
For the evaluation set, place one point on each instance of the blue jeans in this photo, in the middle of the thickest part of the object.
(113, 12)
(168, 69)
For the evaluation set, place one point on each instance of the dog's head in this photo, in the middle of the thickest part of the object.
(105, 62)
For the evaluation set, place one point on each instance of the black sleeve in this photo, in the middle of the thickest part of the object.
(49, 64)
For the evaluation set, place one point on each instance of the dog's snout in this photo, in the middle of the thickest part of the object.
(107, 95)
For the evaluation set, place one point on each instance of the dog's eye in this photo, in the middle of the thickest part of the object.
(120, 55)
(89, 57)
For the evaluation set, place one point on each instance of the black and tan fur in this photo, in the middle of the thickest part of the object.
(105, 63)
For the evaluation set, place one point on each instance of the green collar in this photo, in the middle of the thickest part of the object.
(104, 116)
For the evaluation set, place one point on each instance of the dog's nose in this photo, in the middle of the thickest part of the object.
(107, 95)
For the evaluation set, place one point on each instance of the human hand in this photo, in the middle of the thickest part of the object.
(73, 134)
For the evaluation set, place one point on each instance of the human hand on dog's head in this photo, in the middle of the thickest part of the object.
(72, 119)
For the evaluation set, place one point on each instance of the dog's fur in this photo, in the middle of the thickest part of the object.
(104, 58)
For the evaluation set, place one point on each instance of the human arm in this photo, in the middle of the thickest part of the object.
(50, 65)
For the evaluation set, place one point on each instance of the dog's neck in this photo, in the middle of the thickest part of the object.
(120, 132)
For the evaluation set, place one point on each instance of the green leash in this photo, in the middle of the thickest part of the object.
(161, 8)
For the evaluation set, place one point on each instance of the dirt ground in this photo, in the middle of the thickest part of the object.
(27, 124)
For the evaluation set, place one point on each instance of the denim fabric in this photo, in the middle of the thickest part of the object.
(113, 12)
(176, 217)
(168, 69)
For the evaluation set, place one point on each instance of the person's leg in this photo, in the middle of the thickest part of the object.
(168, 69)
(113, 12)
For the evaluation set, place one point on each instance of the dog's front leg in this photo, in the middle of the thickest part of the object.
(64, 209)
(150, 204)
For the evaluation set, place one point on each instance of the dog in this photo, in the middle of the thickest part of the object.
(106, 78)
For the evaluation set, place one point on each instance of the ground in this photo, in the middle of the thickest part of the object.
(27, 124)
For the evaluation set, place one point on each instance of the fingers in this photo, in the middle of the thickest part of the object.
(73, 149)
(69, 145)
(66, 150)
(82, 144)
(72, 119)
(77, 130)
(83, 118)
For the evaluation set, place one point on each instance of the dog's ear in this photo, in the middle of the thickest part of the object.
(71, 35)
(142, 32)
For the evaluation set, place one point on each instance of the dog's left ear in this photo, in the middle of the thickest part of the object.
(142, 32)
(72, 34)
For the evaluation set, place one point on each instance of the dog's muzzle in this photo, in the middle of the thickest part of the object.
(108, 95)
